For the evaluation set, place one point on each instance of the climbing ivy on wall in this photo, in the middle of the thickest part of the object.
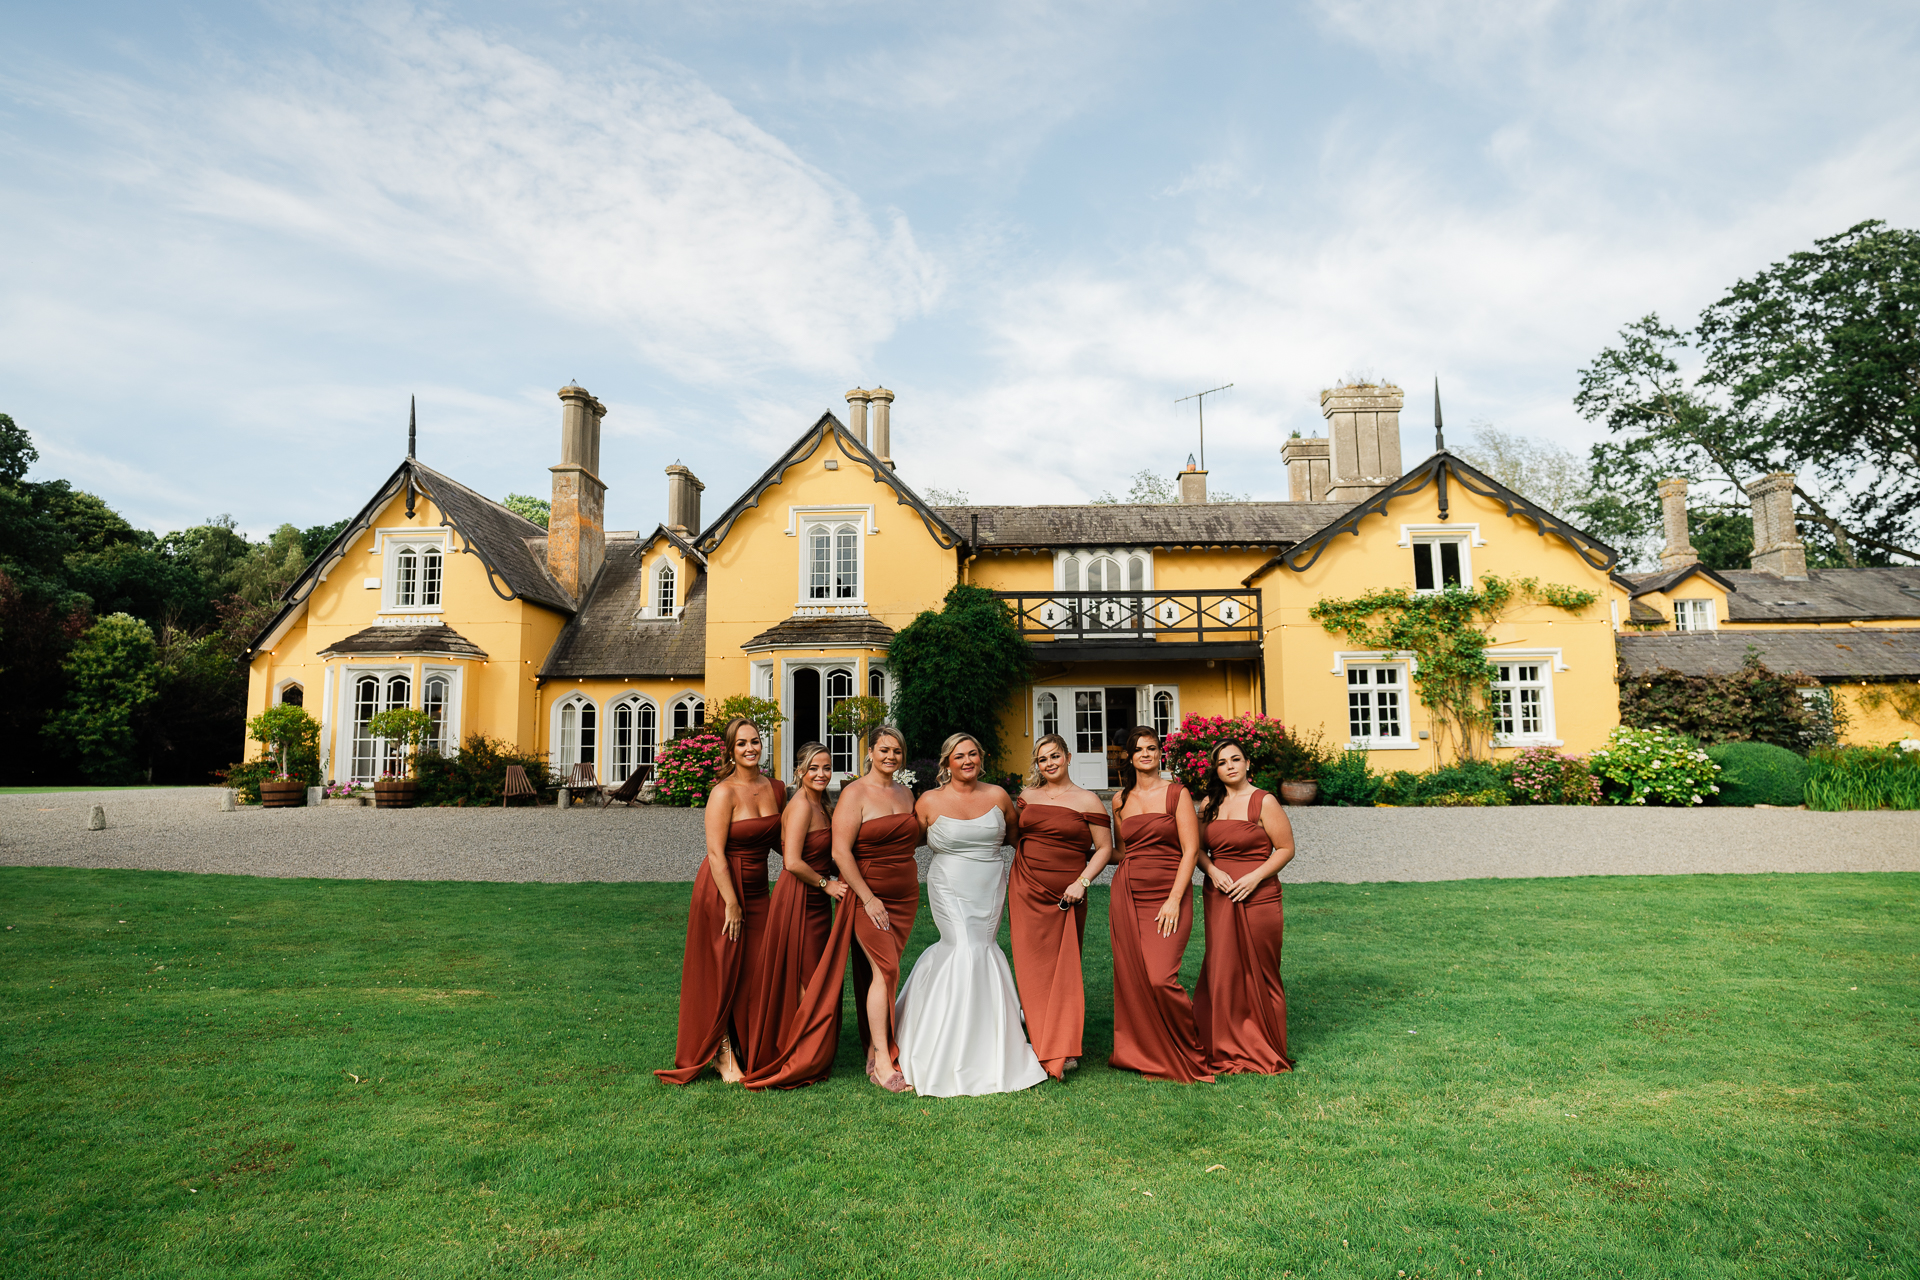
(1444, 632)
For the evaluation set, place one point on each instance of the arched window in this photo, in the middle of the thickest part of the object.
(399, 693)
(1103, 574)
(435, 695)
(1163, 713)
(1136, 574)
(876, 683)
(366, 704)
(636, 735)
(416, 576)
(689, 714)
(663, 591)
(1049, 714)
(833, 562)
(1070, 574)
(839, 686)
(293, 696)
(578, 733)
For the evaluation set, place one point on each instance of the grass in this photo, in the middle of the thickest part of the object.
(217, 1076)
(1863, 778)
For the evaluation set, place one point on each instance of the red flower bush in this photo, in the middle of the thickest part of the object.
(1274, 754)
(686, 769)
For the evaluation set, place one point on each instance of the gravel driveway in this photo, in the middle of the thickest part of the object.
(184, 830)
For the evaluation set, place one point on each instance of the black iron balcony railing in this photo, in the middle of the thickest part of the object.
(1164, 619)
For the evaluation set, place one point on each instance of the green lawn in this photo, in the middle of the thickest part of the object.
(216, 1076)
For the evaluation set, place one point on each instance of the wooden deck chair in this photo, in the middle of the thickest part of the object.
(583, 781)
(517, 785)
(628, 793)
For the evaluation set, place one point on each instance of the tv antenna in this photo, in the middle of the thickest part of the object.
(1201, 396)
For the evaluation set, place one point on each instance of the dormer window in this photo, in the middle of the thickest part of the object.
(414, 571)
(1693, 615)
(664, 587)
(1439, 563)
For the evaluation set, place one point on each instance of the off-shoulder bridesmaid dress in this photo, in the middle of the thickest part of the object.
(1055, 844)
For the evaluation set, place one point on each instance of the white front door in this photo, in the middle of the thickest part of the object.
(1088, 734)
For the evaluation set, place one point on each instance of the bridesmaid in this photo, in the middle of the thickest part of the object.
(1150, 918)
(1059, 824)
(875, 832)
(801, 915)
(726, 923)
(1240, 1002)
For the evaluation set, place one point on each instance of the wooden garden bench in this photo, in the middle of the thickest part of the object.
(517, 785)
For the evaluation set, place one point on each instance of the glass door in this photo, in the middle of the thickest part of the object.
(1089, 738)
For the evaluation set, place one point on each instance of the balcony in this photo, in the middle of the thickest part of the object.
(1139, 626)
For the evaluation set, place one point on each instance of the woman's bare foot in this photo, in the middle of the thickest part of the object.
(1073, 1064)
(729, 1069)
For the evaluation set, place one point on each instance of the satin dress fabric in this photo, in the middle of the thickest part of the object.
(1154, 1031)
(717, 997)
(810, 1037)
(1240, 1004)
(884, 853)
(1053, 849)
(799, 922)
(958, 1013)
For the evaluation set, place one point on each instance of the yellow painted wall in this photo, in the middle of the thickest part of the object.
(1876, 726)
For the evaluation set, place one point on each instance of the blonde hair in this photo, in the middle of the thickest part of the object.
(873, 740)
(1033, 778)
(951, 745)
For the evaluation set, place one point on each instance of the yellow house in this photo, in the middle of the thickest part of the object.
(596, 647)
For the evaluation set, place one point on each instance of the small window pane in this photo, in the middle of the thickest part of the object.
(649, 732)
(430, 578)
(1049, 714)
(1136, 574)
(406, 574)
(1070, 574)
(1423, 566)
(664, 601)
(1163, 713)
(846, 567)
(819, 562)
(1450, 564)
(1089, 722)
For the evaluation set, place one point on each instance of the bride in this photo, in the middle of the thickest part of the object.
(958, 1013)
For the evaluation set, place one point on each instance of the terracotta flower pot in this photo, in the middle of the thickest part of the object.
(394, 793)
(1299, 792)
(283, 795)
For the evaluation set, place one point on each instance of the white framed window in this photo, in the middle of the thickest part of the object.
(369, 693)
(688, 715)
(876, 682)
(436, 699)
(666, 599)
(576, 732)
(1046, 714)
(1693, 615)
(1441, 561)
(414, 574)
(1103, 569)
(1164, 714)
(838, 688)
(1376, 704)
(830, 566)
(1523, 702)
(633, 736)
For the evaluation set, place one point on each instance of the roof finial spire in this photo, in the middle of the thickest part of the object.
(1439, 435)
(412, 427)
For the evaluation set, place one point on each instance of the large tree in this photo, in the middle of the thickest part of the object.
(1811, 366)
(955, 670)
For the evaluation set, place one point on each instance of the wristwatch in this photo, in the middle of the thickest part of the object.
(1084, 883)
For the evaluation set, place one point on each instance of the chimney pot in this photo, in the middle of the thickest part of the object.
(1364, 439)
(857, 412)
(1673, 516)
(1306, 464)
(1777, 548)
(882, 424)
(1193, 485)
(683, 501)
(576, 529)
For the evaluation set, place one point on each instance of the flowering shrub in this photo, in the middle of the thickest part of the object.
(337, 791)
(1543, 776)
(686, 768)
(1272, 752)
(1638, 765)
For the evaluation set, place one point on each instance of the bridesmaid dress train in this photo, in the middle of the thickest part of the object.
(717, 993)
(1153, 1025)
(958, 1013)
(798, 924)
(1240, 1003)
(1055, 844)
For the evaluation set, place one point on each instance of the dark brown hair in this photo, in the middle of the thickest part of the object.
(1131, 775)
(730, 735)
(1216, 792)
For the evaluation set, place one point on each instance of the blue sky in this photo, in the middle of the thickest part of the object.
(235, 238)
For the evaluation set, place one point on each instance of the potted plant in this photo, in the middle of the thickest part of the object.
(405, 729)
(287, 732)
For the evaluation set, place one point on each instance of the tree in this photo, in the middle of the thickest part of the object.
(16, 451)
(111, 674)
(955, 670)
(1545, 473)
(1812, 366)
(858, 717)
(538, 510)
(1151, 489)
(763, 712)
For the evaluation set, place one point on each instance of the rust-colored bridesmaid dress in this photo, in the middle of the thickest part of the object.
(716, 997)
(1054, 847)
(1240, 1003)
(798, 924)
(810, 1038)
(1153, 1027)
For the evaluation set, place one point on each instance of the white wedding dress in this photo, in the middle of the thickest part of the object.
(957, 1016)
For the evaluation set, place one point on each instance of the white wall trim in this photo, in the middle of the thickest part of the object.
(1342, 658)
(1410, 531)
(797, 514)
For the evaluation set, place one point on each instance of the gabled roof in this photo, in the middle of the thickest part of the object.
(810, 440)
(429, 639)
(608, 638)
(1441, 469)
(663, 534)
(1861, 654)
(1170, 524)
(498, 536)
(1668, 579)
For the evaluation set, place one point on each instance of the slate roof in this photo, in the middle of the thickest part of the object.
(1641, 584)
(1824, 595)
(1173, 524)
(1641, 611)
(859, 631)
(1851, 654)
(429, 639)
(608, 637)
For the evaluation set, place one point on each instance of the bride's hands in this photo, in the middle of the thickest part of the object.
(877, 912)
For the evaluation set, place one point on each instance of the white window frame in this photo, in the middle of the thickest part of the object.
(388, 545)
(644, 752)
(385, 753)
(1507, 693)
(877, 674)
(1553, 661)
(564, 755)
(1084, 555)
(1154, 694)
(1462, 541)
(1403, 685)
(664, 575)
(1699, 605)
(689, 699)
(800, 522)
(449, 740)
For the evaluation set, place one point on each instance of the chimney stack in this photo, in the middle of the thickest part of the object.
(576, 529)
(857, 412)
(1364, 439)
(1193, 484)
(1306, 463)
(1673, 515)
(683, 501)
(882, 416)
(1777, 548)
